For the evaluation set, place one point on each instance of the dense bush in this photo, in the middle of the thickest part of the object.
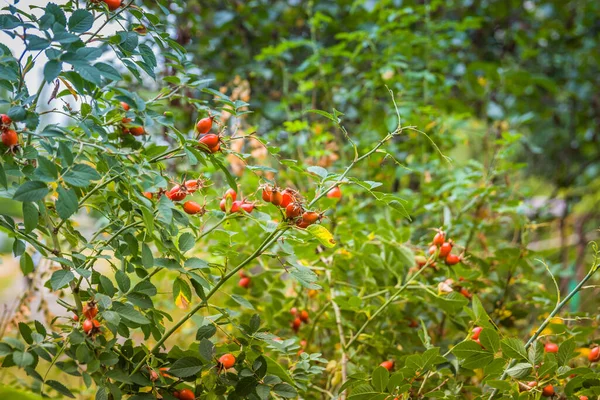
(270, 217)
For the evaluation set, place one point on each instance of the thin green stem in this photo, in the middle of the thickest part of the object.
(266, 243)
(54, 360)
(106, 22)
(389, 301)
(544, 324)
(356, 161)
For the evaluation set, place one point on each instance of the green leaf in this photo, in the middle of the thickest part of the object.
(535, 353)
(31, 191)
(165, 210)
(46, 170)
(108, 71)
(26, 332)
(324, 114)
(61, 278)
(320, 171)
(489, 339)
(17, 113)
(30, 216)
(123, 281)
(147, 55)
(380, 378)
(111, 317)
(467, 349)
(242, 301)
(3, 180)
(478, 361)
(60, 388)
(80, 21)
(479, 310)
(520, 370)
(127, 312)
(565, 352)
(513, 348)
(304, 275)
(26, 264)
(81, 175)
(186, 367)
(285, 390)
(322, 235)
(274, 368)
(500, 385)
(67, 202)
(52, 69)
(147, 257)
(207, 349)
(22, 359)
(186, 242)
(206, 332)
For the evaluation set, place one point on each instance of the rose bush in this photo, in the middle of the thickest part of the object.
(219, 267)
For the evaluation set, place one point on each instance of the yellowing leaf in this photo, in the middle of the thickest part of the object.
(181, 301)
(322, 235)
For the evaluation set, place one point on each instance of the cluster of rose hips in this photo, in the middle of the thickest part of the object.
(299, 318)
(134, 130)
(236, 205)
(179, 192)
(244, 281)
(443, 249)
(9, 137)
(90, 326)
(290, 201)
(209, 142)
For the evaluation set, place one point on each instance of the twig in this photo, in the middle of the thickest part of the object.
(556, 310)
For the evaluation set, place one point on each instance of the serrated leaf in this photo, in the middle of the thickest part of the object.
(380, 378)
(320, 171)
(22, 359)
(489, 339)
(207, 349)
(31, 191)
(513, 348)
(186, 242)
(60, 388)
(26, 263)
(123, 281)
(26, 332)
(186, 367)
(565, 352)
(61, 278)
(520, 370)
(80, 21)
(67, 202)
(81, 175)
(206, 332)
(285, 390)
(52, 69)
(324, 114)
(30, 216)
(127, 312)
(242, 301)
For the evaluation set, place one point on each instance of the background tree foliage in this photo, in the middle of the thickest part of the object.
(481, 117)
